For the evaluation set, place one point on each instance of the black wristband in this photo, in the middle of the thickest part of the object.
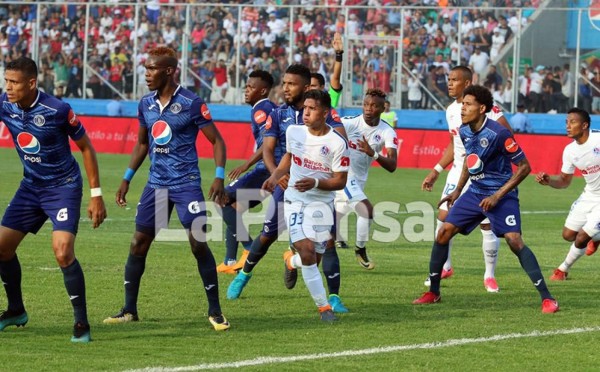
(338, 56)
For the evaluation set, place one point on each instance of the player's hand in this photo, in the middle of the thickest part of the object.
(429, 181)
(270, 184)
(121, 192)
(217, 191)
(363, 146)
(489, 203)
(283, 181)
(96, 211)
(305, 184)
(237, 172)
(542, 178)
(337, 43)
(450, 199)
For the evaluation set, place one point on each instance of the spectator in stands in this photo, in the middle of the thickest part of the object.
(493, 78)
(206, 78)
(414, 90)
(114, 107)
(595, 85)
(497, 43)
(479, 61)
(519, 121)
(447, 26)
(220, 74)
(74, 83)
(388, 115)
(584, 90)
(116, 74)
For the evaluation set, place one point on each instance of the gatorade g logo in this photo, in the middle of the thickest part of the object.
(260, 116)
(205, 112)
(511, 145)
(161, 132)
(474, 164)
(28, 143)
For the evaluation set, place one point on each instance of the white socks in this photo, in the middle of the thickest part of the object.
(573, 255)
(314, 283)
(490, 245)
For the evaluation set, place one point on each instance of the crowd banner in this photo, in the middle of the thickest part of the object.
(418, 148)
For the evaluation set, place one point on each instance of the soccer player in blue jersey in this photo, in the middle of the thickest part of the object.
(296, 81)
(170, 118)
(490, 150)
(41, 126)
(257, 93)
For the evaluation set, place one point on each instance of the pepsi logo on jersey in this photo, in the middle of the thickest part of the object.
(474, 163)
(30, 146)
(161, 133)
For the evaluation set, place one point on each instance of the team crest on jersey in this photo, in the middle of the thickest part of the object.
(205, 112)
(161, 132)
(511, 145)
(176, 108)
(596, 151)
(377, 138)
(39, 120)
(325, 151)
(260, 116)
(28, 143)
(72, 118)
(474, 164)
(484, 142)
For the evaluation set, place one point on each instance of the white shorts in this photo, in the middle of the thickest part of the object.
(450, 186)
(309, 221)
(347, 198)
(584, 215)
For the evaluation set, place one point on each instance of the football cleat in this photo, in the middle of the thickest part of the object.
(447, 273)
(122, 317)
(290, 274)
(237, 285)
(427, 298)
(363, 259)
(592, 247)
(239, 265)
(340, 244)
(336, 304)
(559, 275)
(226, 269)
(9, 317)
(81, 333)
(326, 314)
(491, 285)
(219, 322)
(549, 306)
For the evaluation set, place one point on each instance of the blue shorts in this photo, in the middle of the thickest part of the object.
(275, 222)
(32, 206)
(252, 180)
(155, 207)
(505, 217)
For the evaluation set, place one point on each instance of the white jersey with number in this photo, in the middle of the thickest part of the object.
(455, 122)
(379, 137)
(314, 157)
(586, 158)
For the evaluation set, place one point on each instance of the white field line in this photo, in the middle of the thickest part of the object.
(378, 350)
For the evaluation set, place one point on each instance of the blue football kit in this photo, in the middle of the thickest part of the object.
(52, 183)
(489, 155)
(172, 132)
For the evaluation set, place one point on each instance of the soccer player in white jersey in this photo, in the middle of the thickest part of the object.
(582, 224)
(367, 136)
(317, 159)
(459, 79)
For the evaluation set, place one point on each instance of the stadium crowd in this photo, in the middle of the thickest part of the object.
(117, 47)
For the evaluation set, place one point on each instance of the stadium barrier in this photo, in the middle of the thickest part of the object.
(419, 148)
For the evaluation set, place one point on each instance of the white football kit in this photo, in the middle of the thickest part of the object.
(585, 211)
(379, 137)
(309, 214)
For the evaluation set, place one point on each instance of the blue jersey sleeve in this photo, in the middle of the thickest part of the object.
(510, 147)
(66, 116)
(141, 115)
(199, 113)
(272, 125)
(333, 119)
